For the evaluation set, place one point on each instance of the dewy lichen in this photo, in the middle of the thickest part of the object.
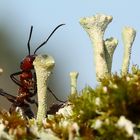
(110, 46)
(128, 36)
(1, 71)
(43, 65)
(95, 26)
(73, 77)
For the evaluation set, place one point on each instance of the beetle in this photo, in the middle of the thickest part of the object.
(26, 81)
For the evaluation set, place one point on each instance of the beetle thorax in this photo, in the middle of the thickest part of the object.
(27, 63)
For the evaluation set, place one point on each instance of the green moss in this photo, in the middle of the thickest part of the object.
(96, 113)
(15, 126)
(117, 95)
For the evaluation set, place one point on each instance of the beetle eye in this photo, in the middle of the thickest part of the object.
(21, 63)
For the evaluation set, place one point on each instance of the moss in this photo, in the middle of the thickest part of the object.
(117, 95)
(15, 126)
(95, 113)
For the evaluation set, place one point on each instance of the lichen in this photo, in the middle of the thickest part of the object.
(1, 71)
(91, 114)
(95, 26)
(73, 78)
(43, 65)
(128, 35)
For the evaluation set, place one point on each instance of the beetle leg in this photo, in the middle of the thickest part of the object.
(35, 85)
(55, 95)
(23, 109)
(14, 79)
(9, 97)
(32, 101)
(35, 90)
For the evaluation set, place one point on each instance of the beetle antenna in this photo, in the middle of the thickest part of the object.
(48, 38)
(55, 96)
(28, 44)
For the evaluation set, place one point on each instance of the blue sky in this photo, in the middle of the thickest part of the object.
(70, 45)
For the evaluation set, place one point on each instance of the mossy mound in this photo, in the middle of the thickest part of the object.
(111, 111)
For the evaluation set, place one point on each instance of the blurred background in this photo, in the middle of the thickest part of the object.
(70, 46)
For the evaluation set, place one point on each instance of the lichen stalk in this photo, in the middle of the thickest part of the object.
(1, 71)
(73, 77)
(110, 46)
(128, 36)
(43, 65)
(95, 26)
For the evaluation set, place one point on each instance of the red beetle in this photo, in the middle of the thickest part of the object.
(26, 82)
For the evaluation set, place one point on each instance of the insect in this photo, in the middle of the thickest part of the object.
(26, 81)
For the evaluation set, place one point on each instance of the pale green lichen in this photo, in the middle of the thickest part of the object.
(95, 26)
(43, 65)
(1, 71)
(128, 36)
(73, 77)
(110, 46)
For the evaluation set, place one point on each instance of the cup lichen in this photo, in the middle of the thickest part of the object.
(95, 26)
(43, 65)
(110, 46)
(1, 71)
(73, 77)
(128, 36)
